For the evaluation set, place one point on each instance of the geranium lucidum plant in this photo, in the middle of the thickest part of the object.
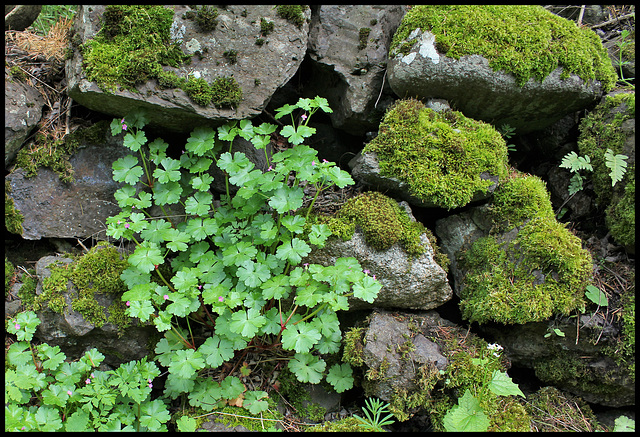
(233, 265)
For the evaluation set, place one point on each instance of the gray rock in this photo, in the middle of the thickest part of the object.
(481, 93)
(19, 17)
(392, 344)
(273, 63)
(407, 282)
(22, 111)
(350, 72)
(79, 209)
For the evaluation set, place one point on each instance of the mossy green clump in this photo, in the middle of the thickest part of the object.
(600, 130)
(266, 27)
(292, 13)
(440, 155)
(132, 46)
(12, 217)
(383, 222)
(553, 411)
(226, 91)
(207, 18)
(542, 271)
(8, 275)
(348, 424)
(98, 271)
(526, 41)
(363, 36)
(520, 198)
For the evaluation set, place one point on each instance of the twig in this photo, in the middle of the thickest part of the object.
(614, 20)
(581, 15)
(381, 88)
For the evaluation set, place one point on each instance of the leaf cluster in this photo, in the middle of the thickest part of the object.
(233, 263)
(45, 392)
(574, 163)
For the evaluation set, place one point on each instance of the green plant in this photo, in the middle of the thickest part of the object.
(575, 163)
(468, 415)
(233, 266)
(49, 15)
(623, 43)
(373, 410)
(624, 424)
(555, 331)
(507, 132)
(45, 392)
(596, 296)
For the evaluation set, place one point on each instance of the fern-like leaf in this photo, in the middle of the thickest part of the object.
(617, 165)
(574, 162)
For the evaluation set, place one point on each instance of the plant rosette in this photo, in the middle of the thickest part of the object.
(234, 264)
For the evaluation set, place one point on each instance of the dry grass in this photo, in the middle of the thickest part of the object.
(50, 48)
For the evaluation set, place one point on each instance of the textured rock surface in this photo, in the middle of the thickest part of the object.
(273, 63)
(52, 208)
(481, 93)
(407, 282)
(356, 65)
(19, 17)
(22, 111)
(385, 334)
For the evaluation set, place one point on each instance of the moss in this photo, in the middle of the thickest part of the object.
(132, 46)
(354, 347)
(292, 13)
(552, 411)
(348, 424)
(266, 27)
(8, 275)
(527, 41)
(235, 416)
(520, 198)
(206, 17)
(363, 36)
(168, 79)
(54, 154)
(297, 394)
(231, 55)
(13, 219)
(440, 155)
(226, 92)
(198, 90)
(600, 130)
(383, 222)
(98, 271)
(470, 363)
(18, 73)
(541, 272)
(27, 293)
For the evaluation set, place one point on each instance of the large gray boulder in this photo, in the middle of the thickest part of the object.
(55, 209)
(259, 70)
(348, 46)
(22, 112)
(482, 92)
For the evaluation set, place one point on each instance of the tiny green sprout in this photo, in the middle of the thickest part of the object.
(373, 411)
(507, 132)
(555, 331)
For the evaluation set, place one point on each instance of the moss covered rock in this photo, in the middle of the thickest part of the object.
(432, 158)
(520, 264)
(611, 125)
(515, 64)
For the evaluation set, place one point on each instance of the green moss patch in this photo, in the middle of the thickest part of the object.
(541, 272)
(440, 155)
(132, 46)
(12, 217)
(98, 271)
(383, 222)
(526, 41)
